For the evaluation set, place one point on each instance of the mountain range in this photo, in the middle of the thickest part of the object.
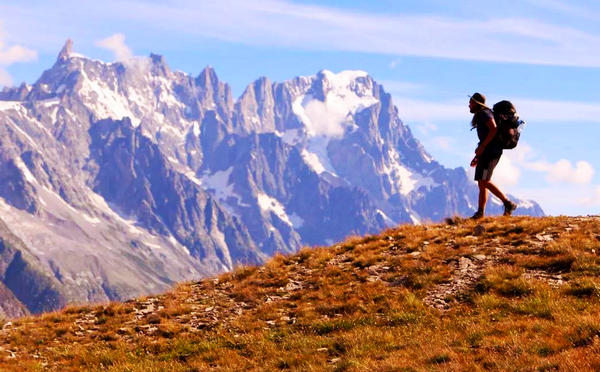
(121, 179)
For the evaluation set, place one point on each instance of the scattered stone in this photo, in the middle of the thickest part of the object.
(464, 263)
(450, 221)
(466, 275)
(544, 238)
(553, 280)
(478, 230)
(293, 286)
(124, 331)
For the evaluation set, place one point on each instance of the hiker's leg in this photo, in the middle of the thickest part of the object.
(496, 191)
(482, 194)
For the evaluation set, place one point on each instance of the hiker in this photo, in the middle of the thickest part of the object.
(487, 154)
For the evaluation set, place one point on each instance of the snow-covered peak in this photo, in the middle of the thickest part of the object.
(343, 79)
(326, 110)
(342, 95)
(67, 53)
(359, 83)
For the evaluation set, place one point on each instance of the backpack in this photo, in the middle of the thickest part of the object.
(509, 124)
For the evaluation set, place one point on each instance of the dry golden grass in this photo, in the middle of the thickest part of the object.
(359, 305)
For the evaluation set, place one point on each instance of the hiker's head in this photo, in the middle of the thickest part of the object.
(477, 102)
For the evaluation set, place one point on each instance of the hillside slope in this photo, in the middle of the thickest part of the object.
(500, 294)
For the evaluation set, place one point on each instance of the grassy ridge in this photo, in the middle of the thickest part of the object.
(519, 294)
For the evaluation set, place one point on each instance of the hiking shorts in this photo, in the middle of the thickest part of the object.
(485, 167)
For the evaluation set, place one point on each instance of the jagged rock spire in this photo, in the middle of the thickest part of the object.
(66, 50)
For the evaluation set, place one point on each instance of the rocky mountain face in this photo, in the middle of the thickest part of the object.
(119, 179)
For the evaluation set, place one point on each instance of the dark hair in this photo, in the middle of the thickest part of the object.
(473, 124)
(479, 99)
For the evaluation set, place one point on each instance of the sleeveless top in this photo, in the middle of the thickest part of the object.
(494, 148)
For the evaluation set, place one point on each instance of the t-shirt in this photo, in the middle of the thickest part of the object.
(494, 148)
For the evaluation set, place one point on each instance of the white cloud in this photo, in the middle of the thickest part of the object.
(11, 55)
(16, 53)
(116, 44)
(283, 23)
(5, 78)
(593, 200)
(529, 109)
(561, 199)
(563, 171)
(312, 27)
(506, 173)
(325, 120)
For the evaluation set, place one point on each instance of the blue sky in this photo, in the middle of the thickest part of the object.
(544, 55)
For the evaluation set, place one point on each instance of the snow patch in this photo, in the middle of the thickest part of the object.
(497, 202)
(178, 133)
(191, 175)
(526, 204)
(292, 136)
(152, 245)
(414, 219)
(270, 204)
(219, 183)
(176, 244)
(105, 102)
(403, 179)
(9, 105)
(388, 221)
(18, 128)
(49, 102)
(313, 161)
(28, 175)
(219, 239)
(296, 221)
(332, 118)
(100, 203)
(76, 55)
(90, 219)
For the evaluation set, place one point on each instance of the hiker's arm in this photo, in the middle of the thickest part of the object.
(491, 124)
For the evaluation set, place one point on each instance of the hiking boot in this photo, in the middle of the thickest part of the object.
(477, 215)
(509, 207)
